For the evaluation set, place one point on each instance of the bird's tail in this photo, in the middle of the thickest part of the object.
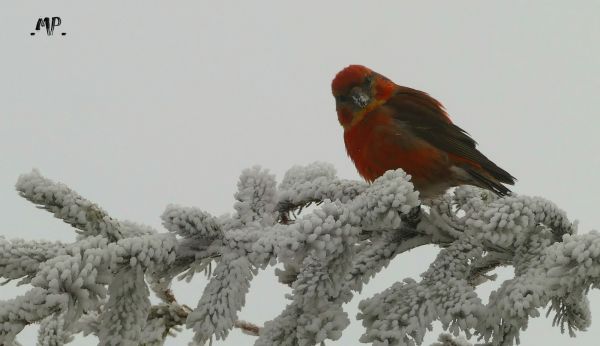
(487, 181)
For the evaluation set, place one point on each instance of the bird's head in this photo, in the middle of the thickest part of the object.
(357, 90)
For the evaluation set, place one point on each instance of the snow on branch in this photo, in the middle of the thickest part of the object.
(100, 284)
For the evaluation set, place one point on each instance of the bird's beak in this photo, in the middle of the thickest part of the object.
(359, 97)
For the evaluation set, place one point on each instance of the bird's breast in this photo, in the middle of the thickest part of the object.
(379, 143)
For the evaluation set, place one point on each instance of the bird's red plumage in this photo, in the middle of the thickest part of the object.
(400, 127)
(349, 76)
(377, 144)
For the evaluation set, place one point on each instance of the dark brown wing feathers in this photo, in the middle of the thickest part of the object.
(427, 119)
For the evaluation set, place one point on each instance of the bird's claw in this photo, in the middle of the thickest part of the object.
(413, 217)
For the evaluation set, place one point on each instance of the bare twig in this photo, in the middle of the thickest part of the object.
(247, 327)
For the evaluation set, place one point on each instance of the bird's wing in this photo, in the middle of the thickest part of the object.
(427, 119)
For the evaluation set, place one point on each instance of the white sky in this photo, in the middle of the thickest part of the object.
(143, 104)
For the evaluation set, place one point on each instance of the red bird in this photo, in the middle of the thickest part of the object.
(388, 126)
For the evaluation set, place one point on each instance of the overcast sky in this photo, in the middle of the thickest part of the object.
(142, 104)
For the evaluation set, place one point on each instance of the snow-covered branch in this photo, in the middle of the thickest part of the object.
(99, 284)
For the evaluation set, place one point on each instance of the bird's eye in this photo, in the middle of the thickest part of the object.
(343, 98)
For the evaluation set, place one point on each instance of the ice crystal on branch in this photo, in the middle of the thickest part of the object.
(99, 284)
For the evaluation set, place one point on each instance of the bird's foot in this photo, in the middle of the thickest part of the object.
(413, 217)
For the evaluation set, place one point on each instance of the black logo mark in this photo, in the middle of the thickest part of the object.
(49, 24)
